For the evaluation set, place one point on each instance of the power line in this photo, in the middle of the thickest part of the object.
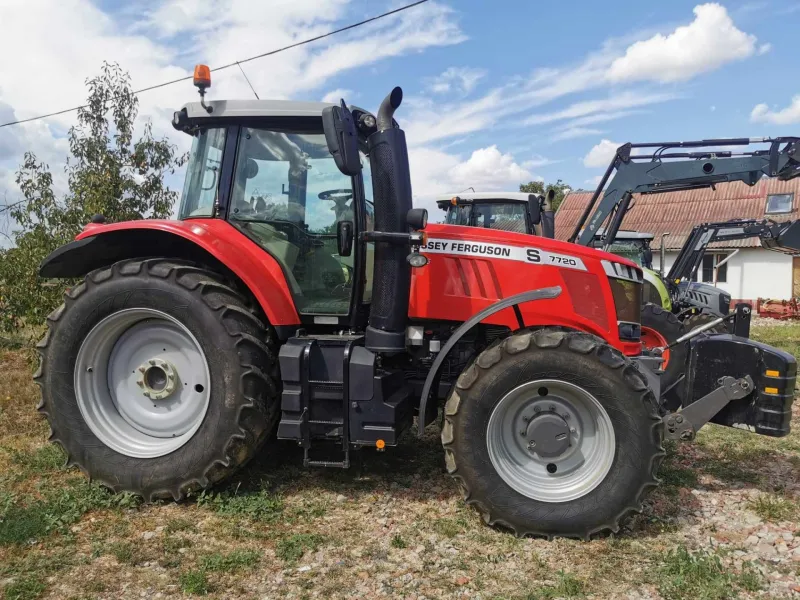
(235, 63)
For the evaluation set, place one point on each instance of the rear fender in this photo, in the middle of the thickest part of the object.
(212, 242)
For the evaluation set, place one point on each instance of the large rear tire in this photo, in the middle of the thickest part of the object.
(157, 378)
(660, 328)
(553, 433)
(695, 321)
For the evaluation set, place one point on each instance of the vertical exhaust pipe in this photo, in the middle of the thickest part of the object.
(391, 185)
(662, 258)
(548, 214)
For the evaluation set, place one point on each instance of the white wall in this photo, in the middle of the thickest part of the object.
(753, 273)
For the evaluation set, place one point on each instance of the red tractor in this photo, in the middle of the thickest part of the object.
(300, 292)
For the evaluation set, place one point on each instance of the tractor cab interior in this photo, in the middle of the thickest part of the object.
(288, 196)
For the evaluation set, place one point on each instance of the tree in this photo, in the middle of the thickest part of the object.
(108, 173)
(538, 187)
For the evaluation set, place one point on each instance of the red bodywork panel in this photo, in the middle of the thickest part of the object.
(471, 268)
(251, 263)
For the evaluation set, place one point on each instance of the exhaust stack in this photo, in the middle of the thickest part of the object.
(391, 184)
(548, 215)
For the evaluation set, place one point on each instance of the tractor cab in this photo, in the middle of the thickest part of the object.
(633, 245)
(264, 167)
(506, 211)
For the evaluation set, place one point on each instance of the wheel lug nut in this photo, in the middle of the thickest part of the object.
(537, 409)
(572, 430)
(565, 416)
(523, 433)
(553, 407)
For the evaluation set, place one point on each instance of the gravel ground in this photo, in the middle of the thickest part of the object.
(724, 524)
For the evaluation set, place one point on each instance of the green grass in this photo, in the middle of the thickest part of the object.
(290, 549)
(176, 524)
(785, 336)
(398, 541)
(258, 506)
(47, 458)
(25, 588)
(124, 552)
(449, 527)
(195, 582)
(773, 508)
(701, 576)
(23, 519)
(567, 586)
(237, 560)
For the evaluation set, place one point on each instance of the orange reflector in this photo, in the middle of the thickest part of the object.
(202, 76)
(771, 390)
(454, 200)
(773, 373)
(424, 238)
(380, 444)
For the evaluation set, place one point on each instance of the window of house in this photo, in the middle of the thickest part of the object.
(779, 203)
(710, 262)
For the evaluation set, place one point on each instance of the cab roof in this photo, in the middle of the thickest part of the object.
(485, 197)
(238, 109)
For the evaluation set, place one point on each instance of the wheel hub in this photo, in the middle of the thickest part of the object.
(158, 379)
(548, 435)
(550, 440)
(142, 382)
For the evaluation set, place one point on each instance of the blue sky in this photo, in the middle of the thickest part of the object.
(496, 92)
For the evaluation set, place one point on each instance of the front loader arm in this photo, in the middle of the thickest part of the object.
(666, 172)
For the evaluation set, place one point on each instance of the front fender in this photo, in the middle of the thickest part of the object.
(204, 240)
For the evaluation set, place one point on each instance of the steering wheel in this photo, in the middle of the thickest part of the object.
(337, 196)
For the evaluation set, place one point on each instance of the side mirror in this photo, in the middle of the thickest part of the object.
(344, 237)
(342, 138)
(535, 208)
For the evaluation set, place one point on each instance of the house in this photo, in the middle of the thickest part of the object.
(741, 267)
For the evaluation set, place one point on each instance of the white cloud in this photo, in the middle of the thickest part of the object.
(574, 132)
(707, 43)
(460, 80)
(435, 172)
(601, 154)
(489, 169)
(161, 43)
(594, 181)
(334, 96)
(791, 114)
(764, 48)
(592, 111)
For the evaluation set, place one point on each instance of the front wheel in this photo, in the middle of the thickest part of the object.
(553, 433)
(156, 378)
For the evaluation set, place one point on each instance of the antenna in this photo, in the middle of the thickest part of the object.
(247, 80)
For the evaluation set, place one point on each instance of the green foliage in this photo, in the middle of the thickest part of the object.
(567, 586)
(25, 588)
(49, 457)
(291, 549)
(21, 522)
(195, 582)
(237, 560)
(701, 575)
(107, 173)
(773, 508)
(538, 187)
(398, 541)
(259, 506)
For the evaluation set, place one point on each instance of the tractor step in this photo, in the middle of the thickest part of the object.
(333, 391)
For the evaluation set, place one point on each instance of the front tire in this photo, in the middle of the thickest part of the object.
(594, 453)
(157, 378)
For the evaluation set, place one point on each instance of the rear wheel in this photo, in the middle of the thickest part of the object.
(553, 433)
(156, 378)
(659, 329)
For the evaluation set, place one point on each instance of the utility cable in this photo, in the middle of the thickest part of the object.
(235, 63)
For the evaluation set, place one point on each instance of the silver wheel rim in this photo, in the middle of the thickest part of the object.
(142, 382)
(550, 440)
